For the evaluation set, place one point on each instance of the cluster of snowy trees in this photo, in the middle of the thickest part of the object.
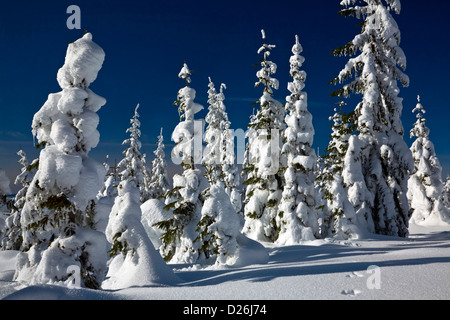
(73, 211)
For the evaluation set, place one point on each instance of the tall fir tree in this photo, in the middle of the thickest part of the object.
(220, 224)
(263, 169)
(184, 199)
(132, 163)
(338, 214)
(297, 218)
(378, 161)
(159, 181)
(425, 186)
(58, 221)
(135, 262)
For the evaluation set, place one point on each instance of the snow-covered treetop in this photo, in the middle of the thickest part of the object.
(377, 68)
(83, 61)
(267, 68)
(159, 152)
(68, 118)
(135, 132)
(296, 61)
(216, 114)
(420, 130)
(185, 74)
(394, 5)
(187, 108)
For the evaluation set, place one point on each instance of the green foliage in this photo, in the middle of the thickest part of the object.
(173, 227)
(272, 203)
(207, 239)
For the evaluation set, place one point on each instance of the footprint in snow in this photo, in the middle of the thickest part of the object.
(351, 292)
(355, 274)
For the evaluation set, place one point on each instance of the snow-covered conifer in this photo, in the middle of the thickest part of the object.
(446, 193)
(159, 180)
(58, 225)
(338, 214)
(297, 218)
(12, 239)
(219, 227)
(219, 156)
(378, 161)
(183, 200)
(213, 137)
(263, 169)
(135, 261)
(425, 186)
(132, 163)
(219, 224)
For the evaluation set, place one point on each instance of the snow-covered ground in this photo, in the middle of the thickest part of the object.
(413, 268)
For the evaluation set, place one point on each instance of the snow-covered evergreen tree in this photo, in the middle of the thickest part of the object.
(219, 227)
(132, 163)
(135, 261)
(297, 218)
(58, 221)
(213, 137)
(159, 180)
(425, 186)
(179, 231)
(111, 180)
(263, 169)
(12, 240)
(378, 161)
(446, 193)
(219, 224)
(338, 214)
(219, 157)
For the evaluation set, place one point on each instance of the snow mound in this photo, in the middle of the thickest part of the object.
(250, 252)
(54, 292)
(145, 268)
(7, 264)
(84, 60)
(153, 212)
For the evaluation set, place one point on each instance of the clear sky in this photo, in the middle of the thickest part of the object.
(146, 43)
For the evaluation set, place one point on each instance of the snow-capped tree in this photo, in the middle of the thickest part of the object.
(159, 180)
(338, 214)
(111, 180)
(58, 221)
(219, 224)
(378, 161)
(219, 227)
(183, 200)
(213, 137)
(132, 163)
(446, 193)
(12, 239)
(218, 156)
(425, 186)
(135, 261)
(297, 217)
(263, 169)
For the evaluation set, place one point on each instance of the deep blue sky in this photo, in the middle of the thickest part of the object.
(146, 43)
